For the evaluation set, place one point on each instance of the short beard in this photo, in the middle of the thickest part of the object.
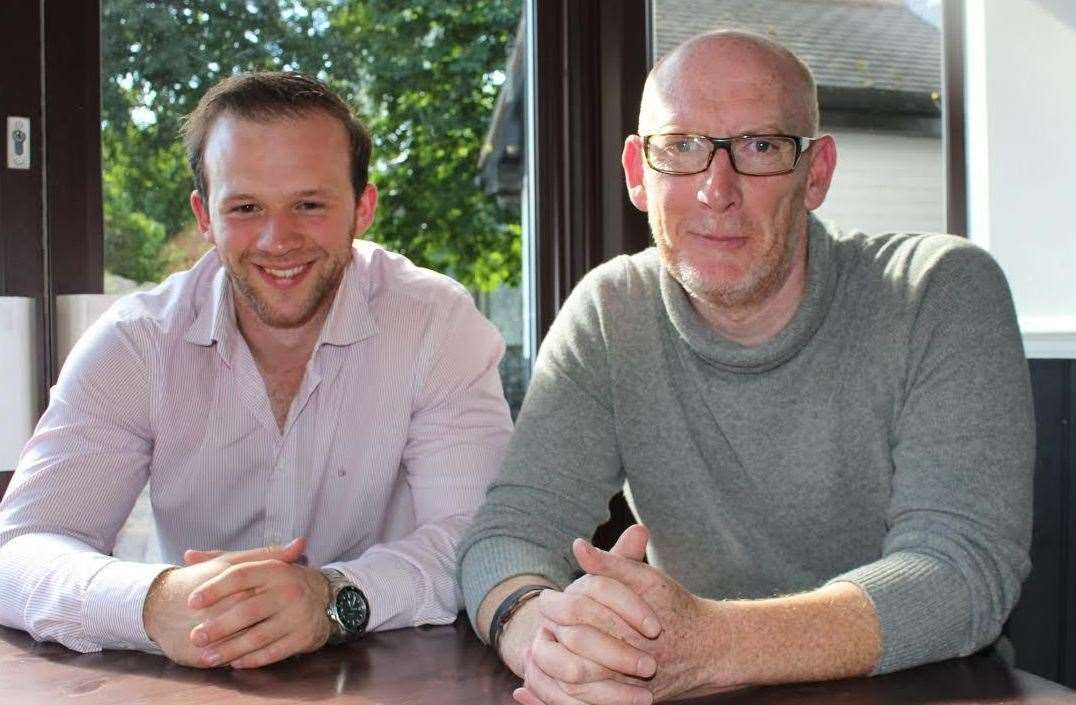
(324, 289)
(763, 280)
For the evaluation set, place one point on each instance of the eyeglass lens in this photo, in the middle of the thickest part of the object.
(690, 154)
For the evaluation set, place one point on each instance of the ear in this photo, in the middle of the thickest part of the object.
(633, 161)
(201, 214)
(365, 208)
(823, 156)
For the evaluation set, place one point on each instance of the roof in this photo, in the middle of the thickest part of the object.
(852, 46)
(874, 61)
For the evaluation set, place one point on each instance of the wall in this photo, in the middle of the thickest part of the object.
(1021, 96)
(886, 181)
(20, 375)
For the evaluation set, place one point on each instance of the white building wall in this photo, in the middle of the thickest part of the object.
(887, 181)
(1021, 96)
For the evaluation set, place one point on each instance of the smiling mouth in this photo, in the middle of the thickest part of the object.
(284, 277)
(285, 273)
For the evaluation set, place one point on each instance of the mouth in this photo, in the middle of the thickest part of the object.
(724, 242)
(284, 277)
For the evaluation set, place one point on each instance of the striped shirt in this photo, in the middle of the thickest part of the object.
(395, 432)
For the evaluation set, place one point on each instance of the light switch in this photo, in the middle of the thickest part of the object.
(18, 142)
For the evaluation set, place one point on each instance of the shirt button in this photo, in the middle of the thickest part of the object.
(279, 467)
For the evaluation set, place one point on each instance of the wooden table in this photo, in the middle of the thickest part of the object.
(440, 666)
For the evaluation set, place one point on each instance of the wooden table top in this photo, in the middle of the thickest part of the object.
(442, 666)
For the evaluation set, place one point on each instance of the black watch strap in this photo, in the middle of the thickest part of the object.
(508, 607)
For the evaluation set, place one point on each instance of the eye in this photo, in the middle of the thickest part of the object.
(685, 145)
(243, 208)
(762, 146)
(311, 205)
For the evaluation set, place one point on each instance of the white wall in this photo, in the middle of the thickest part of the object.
(1020, 78)
(19, 371)
(886, 181)
(74, 314)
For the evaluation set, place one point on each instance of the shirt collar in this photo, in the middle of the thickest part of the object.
(215, 319)
(350, 319)
(348, 322)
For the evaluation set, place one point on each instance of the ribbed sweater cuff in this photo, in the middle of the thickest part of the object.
(491, 561)
(922, 605)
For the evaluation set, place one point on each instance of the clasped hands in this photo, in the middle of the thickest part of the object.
(623, 633)
(244, 608)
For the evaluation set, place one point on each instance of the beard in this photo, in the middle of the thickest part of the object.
(326, 279)
(761, 281)
(765, 275)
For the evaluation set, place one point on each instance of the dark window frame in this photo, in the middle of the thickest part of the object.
(591, 61)
(51, 234)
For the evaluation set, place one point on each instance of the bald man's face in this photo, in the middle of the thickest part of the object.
(727, 238)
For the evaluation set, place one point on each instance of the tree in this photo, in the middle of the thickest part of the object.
(423, 74)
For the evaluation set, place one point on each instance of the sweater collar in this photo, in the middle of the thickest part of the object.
(734, 357)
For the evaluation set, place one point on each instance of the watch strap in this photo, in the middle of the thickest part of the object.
(508, 607)
(337, 582)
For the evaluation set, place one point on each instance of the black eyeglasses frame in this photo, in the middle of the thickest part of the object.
(802, 145)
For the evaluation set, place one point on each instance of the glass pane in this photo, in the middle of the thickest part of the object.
(424, 76)
(878, 69)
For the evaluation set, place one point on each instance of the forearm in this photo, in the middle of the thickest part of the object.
(410, 581)
(519, 632)
(828, 633)
(58, 589)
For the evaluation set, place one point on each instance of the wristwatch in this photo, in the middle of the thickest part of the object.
(348, 609)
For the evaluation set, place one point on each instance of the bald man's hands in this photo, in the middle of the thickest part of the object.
(600, 658)
(586, 641)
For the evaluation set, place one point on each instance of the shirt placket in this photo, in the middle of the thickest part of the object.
(284, 498)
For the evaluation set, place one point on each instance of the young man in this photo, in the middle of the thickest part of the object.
(293, 384)
(828, 436)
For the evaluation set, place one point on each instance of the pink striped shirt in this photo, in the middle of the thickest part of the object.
(399, 425)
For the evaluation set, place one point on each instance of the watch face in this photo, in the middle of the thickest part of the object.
(352, 609)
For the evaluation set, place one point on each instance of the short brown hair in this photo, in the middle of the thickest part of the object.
(264, 96)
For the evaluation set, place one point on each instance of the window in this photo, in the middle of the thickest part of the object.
(424, 77)
(878, 69)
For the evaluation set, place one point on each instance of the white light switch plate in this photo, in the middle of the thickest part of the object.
(18, 142)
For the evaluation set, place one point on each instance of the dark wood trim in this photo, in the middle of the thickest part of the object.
(1067, 462)
(953, 117)
(73, 154)
(20, 190)
(1037, 626)
(591, 58)
(22, 227)
(624, 40)
(73, 227)
(5, 480)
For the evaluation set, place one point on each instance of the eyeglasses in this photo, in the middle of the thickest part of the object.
(751, 155)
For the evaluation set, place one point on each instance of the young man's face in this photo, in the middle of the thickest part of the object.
(727, 238)
(281, 212)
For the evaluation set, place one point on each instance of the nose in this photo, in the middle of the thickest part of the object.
(720, 187)
(280, 235)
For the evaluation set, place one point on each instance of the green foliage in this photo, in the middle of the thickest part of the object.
(422, 74)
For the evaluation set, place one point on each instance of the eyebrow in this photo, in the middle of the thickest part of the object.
(305, 193)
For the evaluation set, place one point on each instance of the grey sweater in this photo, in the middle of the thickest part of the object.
(884, 437)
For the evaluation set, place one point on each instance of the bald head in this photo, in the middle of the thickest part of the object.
(719, 66)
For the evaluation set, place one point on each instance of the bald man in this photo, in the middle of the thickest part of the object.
(827, 436)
